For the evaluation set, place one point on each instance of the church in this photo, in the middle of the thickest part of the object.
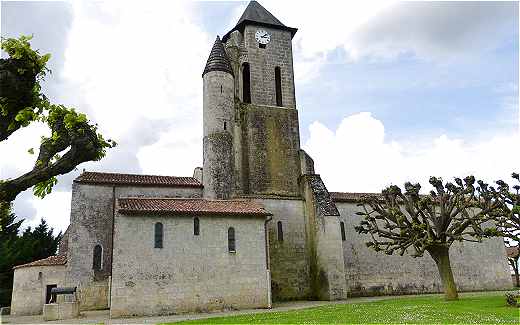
(255, 224)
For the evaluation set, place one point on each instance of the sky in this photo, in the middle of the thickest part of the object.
(387, 92)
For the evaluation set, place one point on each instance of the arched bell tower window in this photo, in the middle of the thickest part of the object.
(342, 226)
(158, 235)
(278, 85)
(231, 240)
(97, 257)
(246, 83)
(280, 231)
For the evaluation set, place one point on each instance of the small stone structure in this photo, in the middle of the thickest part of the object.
(62, 305)
(144, 244)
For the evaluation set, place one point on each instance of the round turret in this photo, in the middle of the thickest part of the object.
(218, 119)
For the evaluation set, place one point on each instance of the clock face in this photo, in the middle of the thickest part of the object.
(262, 36)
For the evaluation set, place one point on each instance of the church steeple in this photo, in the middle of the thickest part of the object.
(256, 14)
(218, 59)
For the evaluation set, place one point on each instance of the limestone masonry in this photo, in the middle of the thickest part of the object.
(255, 224)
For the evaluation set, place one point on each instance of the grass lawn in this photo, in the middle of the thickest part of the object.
(476, 309)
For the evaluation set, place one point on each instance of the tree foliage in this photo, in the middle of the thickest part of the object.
(509, 220)
(408, 222)
(15, 248)
(72, 139)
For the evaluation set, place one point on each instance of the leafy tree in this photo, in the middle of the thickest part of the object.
(400, 222)
(16, 249)
(22, 103)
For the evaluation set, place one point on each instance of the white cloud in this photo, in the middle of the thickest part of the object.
(54, 208)
(136, 71)
(357, 158)
(386, 29)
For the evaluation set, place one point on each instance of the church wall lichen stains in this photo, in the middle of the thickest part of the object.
(272, 150)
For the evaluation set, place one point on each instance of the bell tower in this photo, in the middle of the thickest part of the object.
(266, 137)
(265, 61)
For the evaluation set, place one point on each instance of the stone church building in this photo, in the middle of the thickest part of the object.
(256, 224)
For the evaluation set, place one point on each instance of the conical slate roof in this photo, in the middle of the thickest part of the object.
(218, 59)
(255, 14)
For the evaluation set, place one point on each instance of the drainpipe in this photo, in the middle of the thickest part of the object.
(112, 250)
(268, 272)
(267, 242)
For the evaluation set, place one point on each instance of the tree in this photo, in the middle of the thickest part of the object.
(16, 249)
(23, 103)
(509, 219)
(513, 257)
(400, 222)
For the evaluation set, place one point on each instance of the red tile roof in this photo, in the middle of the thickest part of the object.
(512, 252)
(190, 206)
(350, 197)
(133, 179)
(49, 261)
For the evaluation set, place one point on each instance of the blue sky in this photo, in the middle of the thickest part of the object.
(386, 91)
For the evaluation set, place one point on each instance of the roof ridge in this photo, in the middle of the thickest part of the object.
(256, 14)
(131, 174)
(183, 198)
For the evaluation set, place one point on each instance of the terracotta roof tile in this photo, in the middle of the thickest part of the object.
(350, 197)
(133, 179)
(512, 251)
(49, 261)
(189, 206)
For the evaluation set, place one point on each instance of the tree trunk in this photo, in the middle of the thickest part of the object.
(441, 256)
(517, 278)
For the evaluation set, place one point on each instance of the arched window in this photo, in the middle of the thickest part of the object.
(97, 257)
(342, 226)
(158, 237)
(278, 85)
(196, 226)
(280, 231)
(246, 83)
(231, 240)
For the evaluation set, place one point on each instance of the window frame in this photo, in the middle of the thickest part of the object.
(232, 245)
(158, 235)
(279, 231)
(196, 226)
(97, 258)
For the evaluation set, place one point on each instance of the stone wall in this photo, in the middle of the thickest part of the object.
(476, 266)
(91, 224)
(30, 287)
(289, 259)
(270, 144)
(219, 120)
(190, 273)
(262, 62)
(324, 240)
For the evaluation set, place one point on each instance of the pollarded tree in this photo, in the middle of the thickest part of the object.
(72, 139)
(509, 222)
(407, 222)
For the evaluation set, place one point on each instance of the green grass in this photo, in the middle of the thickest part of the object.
(475, 309)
